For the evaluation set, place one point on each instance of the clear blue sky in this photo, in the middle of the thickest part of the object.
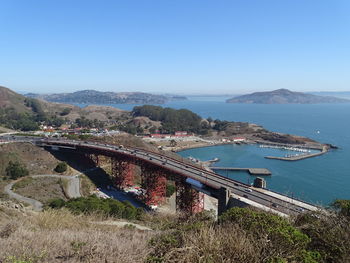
(178, 46)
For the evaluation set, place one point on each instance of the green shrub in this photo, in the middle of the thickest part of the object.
(15, 170)
(342, 206)
(61, 167)
(56, 203)
(108, 207)
(282, 236)
(65, 111)
(170, 189)
(330, 235)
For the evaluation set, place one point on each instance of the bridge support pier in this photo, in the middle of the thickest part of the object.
(188, 200)
(94, 158)
(223, 200)
(123, 172)
(154, 182)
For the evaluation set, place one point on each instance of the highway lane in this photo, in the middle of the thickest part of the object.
(205, 177)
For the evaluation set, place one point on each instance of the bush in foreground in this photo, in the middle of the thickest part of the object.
(240, 235)
(91, 204)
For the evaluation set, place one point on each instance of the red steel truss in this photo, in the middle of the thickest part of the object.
(188, 200)
(154, 182)
(123, 172)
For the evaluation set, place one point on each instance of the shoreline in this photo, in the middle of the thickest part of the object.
(323, 148)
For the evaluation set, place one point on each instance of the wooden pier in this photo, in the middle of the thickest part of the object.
(252, 171)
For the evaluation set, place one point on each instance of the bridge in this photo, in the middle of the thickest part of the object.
(190, 180)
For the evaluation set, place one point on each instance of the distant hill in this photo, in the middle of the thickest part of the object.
(284, 96)
(98, 97)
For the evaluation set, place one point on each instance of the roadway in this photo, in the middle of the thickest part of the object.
(210, 180)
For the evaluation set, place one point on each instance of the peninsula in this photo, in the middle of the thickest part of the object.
(98, 97)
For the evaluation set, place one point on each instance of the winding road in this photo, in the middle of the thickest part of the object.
(73, 189)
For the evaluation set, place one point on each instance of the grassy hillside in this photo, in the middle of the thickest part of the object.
(240, 236)
(20, 113)
(9, 98)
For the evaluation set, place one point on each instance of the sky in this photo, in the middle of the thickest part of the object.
(175, 46)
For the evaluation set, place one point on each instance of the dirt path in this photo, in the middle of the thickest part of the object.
(37, 206)
(73, 189)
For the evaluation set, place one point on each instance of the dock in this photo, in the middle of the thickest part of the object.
(299, 157)
(252, 171)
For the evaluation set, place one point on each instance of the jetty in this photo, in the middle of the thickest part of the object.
(300, 156)
(252, 171)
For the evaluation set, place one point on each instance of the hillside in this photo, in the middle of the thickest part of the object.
(98, 97)
(9, 98)
(18, 112)
(284, 96)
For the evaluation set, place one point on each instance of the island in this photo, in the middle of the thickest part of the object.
(285, 96)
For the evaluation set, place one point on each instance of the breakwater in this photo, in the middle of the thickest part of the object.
(252, 171)
(298, 157)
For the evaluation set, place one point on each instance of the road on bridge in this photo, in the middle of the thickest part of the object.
(274, 201)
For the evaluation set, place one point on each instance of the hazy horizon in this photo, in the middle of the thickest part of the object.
(178, 47)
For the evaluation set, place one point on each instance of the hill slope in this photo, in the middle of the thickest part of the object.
(98, 97)
(284, 96)
(9, 98)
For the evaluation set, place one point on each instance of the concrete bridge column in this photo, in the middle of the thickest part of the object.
(223, 200)
(188, 200)
(153, 180)
(122, 172)
(94, 158)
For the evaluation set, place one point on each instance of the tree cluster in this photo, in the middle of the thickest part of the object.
(172, 120)
(28, 121)
(15, 170)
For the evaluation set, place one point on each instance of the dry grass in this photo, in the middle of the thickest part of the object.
(221, 244)
(41, 189)
(36, 159)
(59, 236)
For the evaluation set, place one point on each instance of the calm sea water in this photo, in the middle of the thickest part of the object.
(319, 180)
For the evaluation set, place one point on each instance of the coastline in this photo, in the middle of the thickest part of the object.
(323, 148)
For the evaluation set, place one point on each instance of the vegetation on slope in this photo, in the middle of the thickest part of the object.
(20, 113)
(93, 204)
(96, 97)
(172, 120)
(244, 235)
(60, 236)
(15, 170)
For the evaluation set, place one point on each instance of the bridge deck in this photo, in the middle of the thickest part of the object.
(210, 180)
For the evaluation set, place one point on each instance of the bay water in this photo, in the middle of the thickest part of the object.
(319, 180)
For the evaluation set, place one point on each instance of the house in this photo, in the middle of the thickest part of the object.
(180, 133)
(238, 139)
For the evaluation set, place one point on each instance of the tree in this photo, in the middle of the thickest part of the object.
(342, 206)
(61, 167)
(15, 170)
(173, 143)
(65, 111)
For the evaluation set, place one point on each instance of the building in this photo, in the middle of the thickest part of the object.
(181, 133)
